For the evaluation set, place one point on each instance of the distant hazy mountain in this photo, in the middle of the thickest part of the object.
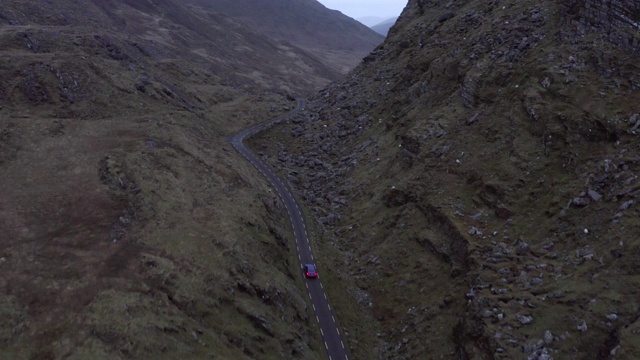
(371, 20)
(384, 26)
(338, 40)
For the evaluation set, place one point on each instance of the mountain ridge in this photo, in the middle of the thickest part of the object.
(370, 20)
(191, 21)
(383, 27)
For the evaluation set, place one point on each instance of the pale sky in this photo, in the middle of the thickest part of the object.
(360, 8)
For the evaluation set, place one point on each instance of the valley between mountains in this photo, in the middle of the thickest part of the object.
(469, 183)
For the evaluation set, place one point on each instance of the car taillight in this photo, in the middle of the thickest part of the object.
(308, 274)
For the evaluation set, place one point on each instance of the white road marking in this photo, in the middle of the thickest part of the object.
(272, 177)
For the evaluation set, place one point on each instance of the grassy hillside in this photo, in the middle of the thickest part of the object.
(129, 227)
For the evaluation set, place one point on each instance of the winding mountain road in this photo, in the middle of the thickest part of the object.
(329, 329)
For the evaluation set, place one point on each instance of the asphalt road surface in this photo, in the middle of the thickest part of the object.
(331, 335)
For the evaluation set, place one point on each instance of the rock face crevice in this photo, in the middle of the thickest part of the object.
(452, 244)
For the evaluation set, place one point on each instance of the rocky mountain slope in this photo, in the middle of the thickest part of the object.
(476, 181)
(341, 42)
(129, 227)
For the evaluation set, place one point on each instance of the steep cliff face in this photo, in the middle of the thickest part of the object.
(479, 175)
(617, 19)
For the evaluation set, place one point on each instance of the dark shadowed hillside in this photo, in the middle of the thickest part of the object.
(477, 182)
(341, 42)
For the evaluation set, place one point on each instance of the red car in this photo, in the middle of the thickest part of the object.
(310, 271)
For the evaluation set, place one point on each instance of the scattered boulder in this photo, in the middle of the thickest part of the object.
(524, 319)
(627, 204)
(582, 326)
(581, 201)
(446, 17)
(594, 195)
